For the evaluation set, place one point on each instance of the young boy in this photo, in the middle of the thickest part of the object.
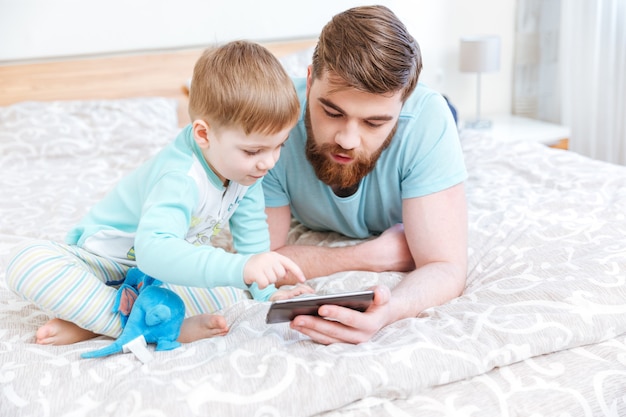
(162, 217)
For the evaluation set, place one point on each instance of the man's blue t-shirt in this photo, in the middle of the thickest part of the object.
(424, 157)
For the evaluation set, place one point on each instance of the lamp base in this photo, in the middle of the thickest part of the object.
(478, 124)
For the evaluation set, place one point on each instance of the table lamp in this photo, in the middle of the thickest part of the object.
(479, 54)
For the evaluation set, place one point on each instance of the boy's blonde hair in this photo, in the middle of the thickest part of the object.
(242, 84)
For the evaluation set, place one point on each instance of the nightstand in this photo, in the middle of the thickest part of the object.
(515, 128)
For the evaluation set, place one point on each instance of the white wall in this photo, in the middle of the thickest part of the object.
(438, 25)
(52, 29)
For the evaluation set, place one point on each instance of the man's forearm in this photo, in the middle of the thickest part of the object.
(387, 252)
(431, 285)
(317, 261)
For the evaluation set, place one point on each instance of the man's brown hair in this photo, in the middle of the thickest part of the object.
(369, 49)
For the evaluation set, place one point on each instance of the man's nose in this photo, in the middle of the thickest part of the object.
(348, 137)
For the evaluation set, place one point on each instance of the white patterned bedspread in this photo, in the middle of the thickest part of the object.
(539, 331)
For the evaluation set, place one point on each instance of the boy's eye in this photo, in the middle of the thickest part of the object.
(251, 153)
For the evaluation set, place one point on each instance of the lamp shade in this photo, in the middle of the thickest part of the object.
(480, 54)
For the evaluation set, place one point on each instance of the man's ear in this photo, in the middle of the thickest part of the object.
(309, 78)
(201, 133)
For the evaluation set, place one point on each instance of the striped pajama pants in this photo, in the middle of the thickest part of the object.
(71, 284)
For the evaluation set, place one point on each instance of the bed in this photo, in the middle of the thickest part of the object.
(539, 331)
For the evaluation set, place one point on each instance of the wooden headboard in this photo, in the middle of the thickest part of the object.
(161, 74)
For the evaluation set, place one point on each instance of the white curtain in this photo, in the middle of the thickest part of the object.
(593, 77)
(536, 70)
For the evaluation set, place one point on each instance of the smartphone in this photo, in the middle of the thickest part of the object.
(307, 305)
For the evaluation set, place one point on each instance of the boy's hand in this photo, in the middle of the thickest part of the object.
(285, 293)
(266, 268)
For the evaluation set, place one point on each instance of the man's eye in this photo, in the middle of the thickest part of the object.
(331, 114)
(372, 124)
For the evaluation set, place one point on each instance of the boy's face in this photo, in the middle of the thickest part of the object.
(235, 156)
(347, 130)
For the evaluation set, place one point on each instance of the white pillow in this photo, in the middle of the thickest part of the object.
(296, 64)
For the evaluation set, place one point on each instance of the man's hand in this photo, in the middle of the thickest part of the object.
(344, 324)
(389, 251)
(266, 268)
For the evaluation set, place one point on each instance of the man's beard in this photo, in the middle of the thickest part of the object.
(340, 176)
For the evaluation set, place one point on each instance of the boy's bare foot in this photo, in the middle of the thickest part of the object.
(61, 332)
(202, 326)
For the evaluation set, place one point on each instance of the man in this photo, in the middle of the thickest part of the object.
(375, 154)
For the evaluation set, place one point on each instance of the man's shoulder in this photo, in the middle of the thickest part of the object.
(422, 97)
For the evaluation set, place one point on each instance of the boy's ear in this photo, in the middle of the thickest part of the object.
(201, 133)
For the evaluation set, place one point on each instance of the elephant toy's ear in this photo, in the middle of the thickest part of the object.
(157, 315)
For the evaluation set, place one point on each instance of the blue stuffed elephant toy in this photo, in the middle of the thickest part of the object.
(146, 310)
